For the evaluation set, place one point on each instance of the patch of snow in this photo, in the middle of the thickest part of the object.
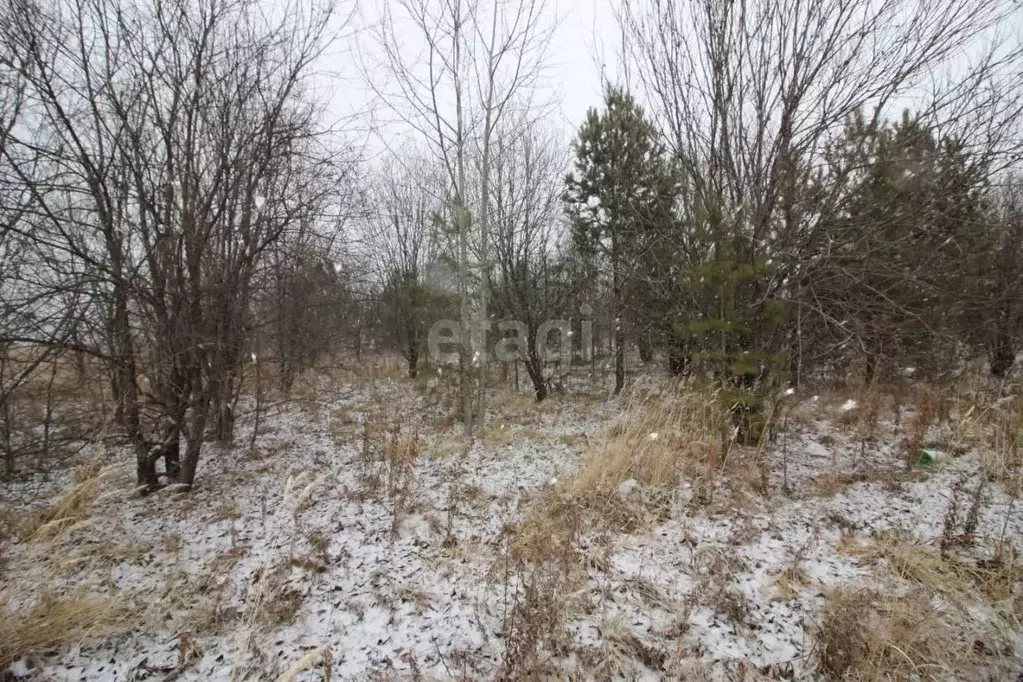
(412, 578)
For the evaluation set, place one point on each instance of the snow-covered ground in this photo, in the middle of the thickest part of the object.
(312, 548)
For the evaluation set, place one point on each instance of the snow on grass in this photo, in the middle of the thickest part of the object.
(411, 573)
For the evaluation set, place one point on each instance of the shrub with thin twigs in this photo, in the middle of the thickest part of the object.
(958, 527)
(541, 564)
(401, 452)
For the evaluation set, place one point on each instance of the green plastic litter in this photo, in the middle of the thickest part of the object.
(927, 457)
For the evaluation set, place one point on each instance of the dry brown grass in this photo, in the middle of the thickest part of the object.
(227, 511)
(501, 435)
(401, 454)
(68, 399)
(272, 599)
(790, 579)
(172, 543)
(549, 533)
(867, 636)
(319, 659)
(962, 583)
(955, 418)
(622, 655)
(664, 437)
(541, 568)
(50, 622)
(72, 510)
(10, 527)
(1003, 457)
(344, 427)
(520, 408)
(829, 485)
(921, 619)
(197, 602)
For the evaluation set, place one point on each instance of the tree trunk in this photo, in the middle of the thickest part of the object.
(193, 444)
(190, 463)
(172, 458)
(619, 360)
(619, 335)
(534, 367)
(679, 358)
(646, 349)
(145, 467)
(413, 361)
(870, 370)
(1002, 356)
(223, 427)
(5, 438)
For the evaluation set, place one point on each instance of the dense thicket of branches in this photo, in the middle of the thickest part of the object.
(783, 191)
(817, 227)
(162, 153)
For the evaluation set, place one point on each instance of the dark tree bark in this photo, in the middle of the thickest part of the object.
(646, 348)
(680, 358)
(1002, 356)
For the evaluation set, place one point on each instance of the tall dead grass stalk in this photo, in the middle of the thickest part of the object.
(664, 436)
(50, 622)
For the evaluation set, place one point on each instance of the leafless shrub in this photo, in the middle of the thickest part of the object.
(51, 407)
(535, 630)
(1003, 456)
(540, 566)
(401, 454)
(233, 174)
(960, 525)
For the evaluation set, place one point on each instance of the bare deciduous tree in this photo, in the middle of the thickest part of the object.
(469, 64)
(407, 198)
(750, 95)
(170, 146)
(530, 287)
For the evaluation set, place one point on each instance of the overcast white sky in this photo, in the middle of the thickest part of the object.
(584, 43)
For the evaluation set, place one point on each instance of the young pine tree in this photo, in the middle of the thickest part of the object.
(619, 199)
